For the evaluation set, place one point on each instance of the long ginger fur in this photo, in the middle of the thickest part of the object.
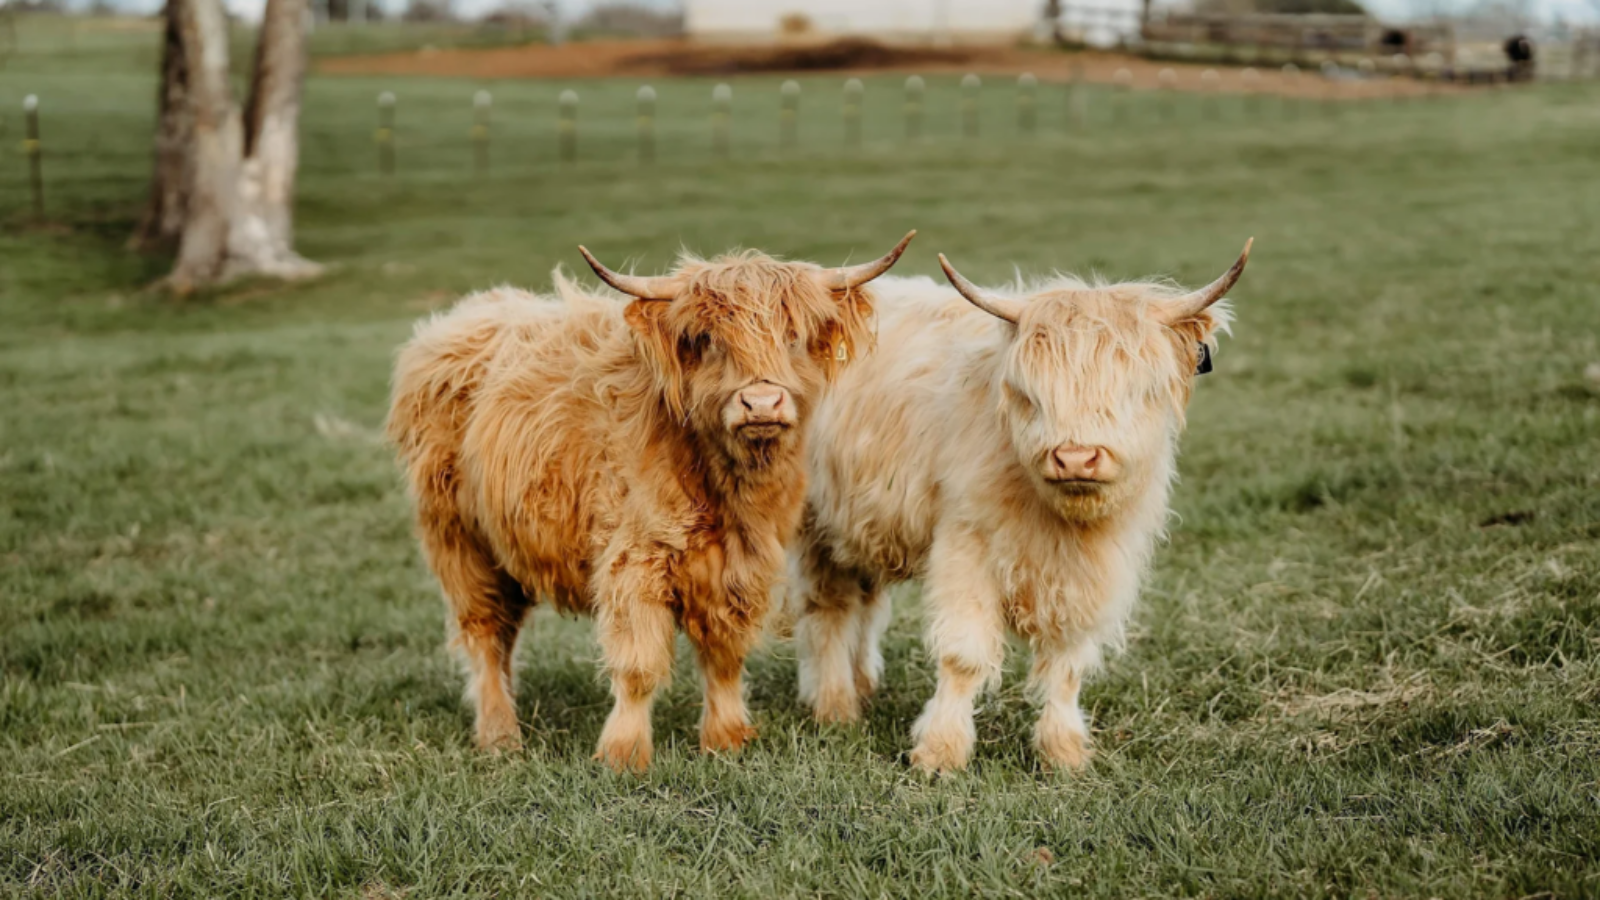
(577, 450)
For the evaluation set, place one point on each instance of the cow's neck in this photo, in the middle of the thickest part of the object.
(762, 502)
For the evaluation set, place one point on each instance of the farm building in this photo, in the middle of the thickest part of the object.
(910, 21)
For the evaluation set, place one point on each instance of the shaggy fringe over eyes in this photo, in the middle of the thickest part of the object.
(1117, 317)
(1152, 291)
(753, 306)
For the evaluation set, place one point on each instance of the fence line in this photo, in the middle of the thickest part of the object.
(1213, 97)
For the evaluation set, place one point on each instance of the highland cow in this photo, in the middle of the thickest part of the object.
(641, 463)
(1016, 455)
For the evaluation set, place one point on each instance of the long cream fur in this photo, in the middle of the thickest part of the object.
(924, 464)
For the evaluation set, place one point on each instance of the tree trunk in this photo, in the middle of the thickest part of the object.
(239, 170)
(163, 218)
(216, 147)
(262, 240)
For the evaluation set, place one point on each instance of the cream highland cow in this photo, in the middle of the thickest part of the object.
(1016, 455)
(642, 463)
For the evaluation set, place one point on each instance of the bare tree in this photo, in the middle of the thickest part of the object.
(223, 186)
(162, 223)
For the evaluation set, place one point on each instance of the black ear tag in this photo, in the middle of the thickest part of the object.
(1203, 367)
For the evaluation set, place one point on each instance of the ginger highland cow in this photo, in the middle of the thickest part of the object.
(642, 463)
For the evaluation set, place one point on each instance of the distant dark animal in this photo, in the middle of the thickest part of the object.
(1396, 41)
(1519, 53)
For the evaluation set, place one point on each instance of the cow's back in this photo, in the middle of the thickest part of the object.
(882, 439)
(455, 381)
(437, 378)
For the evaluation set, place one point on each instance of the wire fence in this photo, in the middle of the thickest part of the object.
(434, 129)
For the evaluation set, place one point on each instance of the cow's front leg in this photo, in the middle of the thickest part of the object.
(1062, 735)
(725, 722)
(829, 640)
(966, 634)
(636, 631)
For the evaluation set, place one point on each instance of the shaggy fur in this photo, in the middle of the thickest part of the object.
(592, 454)
(926, 462)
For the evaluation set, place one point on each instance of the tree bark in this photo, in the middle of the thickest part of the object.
(262, 240)
(216, 147)
(237, 204)
(162, 222)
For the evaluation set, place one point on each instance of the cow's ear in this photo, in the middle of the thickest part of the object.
(852, 333)
(657, 344)
(1202, 327)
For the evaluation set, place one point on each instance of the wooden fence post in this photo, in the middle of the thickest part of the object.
(1332, 79)
(384, 136)
(1077, 100)
(1252, 87)
(646, 122)
(852, 113)
(914, 92)
(1027, 104)
(1122, 83)
(35, 153)
(970, 85)
(567, 126)
(789, 115)
(480, 131)
(721, 120)
(1288, 104)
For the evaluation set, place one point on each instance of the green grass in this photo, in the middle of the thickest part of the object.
(1367, 662)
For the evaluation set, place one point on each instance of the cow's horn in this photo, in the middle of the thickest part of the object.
(1193, 303)
(653, 288)
(846, 277)
(993, 304)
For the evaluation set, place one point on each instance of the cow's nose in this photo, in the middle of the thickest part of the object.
(763, 401)
(1075, 463)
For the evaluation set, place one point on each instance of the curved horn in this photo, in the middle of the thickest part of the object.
(993, 304)
(653, 288)
(846, 277)
(1193, 303)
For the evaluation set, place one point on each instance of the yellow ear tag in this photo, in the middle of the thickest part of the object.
(842, 352)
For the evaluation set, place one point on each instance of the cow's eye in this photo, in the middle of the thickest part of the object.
(700, 349)
(1019, 399)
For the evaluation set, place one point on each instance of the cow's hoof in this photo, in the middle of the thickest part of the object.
(630, 753)
(499, 736)
(1063, 748)
(939, 758)
(837, 708)
(727, 738)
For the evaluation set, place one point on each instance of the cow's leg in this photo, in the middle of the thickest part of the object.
(966, 634)
(725, 722)
(488, 608)
(828, 637)
(636, 631)
(874, 621)
(1062, 735)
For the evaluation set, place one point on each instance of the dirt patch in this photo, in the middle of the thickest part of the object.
(851, 54)
(667, 58)
(649, 58)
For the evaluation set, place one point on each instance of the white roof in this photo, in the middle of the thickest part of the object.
(862, 17)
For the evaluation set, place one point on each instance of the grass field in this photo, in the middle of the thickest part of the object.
(1367, 663)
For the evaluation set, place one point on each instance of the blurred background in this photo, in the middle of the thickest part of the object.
(1366, 661)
